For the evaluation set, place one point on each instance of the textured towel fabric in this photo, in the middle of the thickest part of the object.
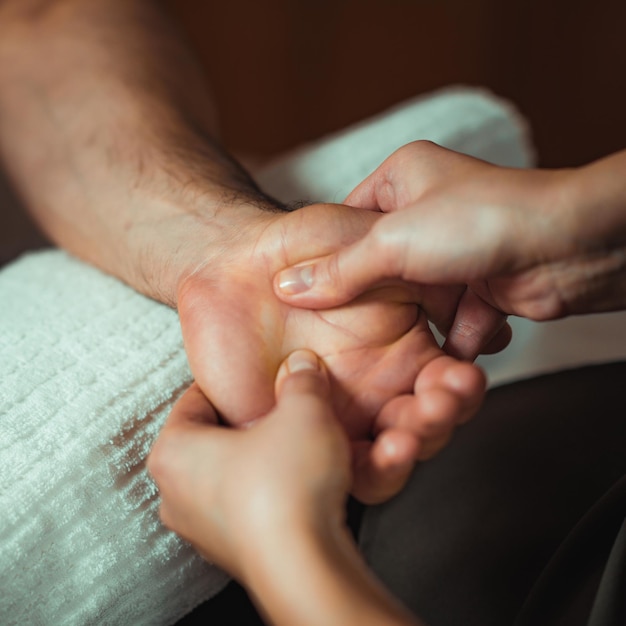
(89, 370)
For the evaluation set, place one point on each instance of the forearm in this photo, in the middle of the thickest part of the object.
(313, 578)
(107, 130)
(591, 230)
(601, 191)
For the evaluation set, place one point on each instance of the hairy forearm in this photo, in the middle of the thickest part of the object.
(318, 577)
(107, 130)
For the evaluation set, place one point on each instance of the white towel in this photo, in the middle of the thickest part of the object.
(89, 370)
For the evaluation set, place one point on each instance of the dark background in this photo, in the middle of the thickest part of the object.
(287, 71)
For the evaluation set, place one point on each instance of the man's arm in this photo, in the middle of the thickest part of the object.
(107, 130)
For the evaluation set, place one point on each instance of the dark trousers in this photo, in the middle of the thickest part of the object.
(519, 521)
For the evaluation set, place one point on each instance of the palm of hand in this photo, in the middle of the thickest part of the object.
(237, 332)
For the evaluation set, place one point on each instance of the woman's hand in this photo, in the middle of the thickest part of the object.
(226, 490)
(535, 243)
(267, 502)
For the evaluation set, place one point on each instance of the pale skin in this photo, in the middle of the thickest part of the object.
(284, 480)
(108, 132)
(541, 244)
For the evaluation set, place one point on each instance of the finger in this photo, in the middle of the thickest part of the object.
(501, 340)
(447, 393)
(381, 468)
(302, 373)
(432, 447)
(193, 407)
(427, 416)
(477, 325)
(303, 389)
(430, 419)
(364, 195)
(306, 423)
(464, 379)
(340, 277)
(405, 176)
(178, 445)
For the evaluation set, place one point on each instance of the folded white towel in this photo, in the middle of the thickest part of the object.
(89, 370)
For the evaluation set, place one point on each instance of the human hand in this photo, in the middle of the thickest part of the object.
(376, 348)
(526, 242)
(222, 488)
(268, 502)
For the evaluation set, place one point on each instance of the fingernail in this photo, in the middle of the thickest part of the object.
(296, 279)
(302, 360)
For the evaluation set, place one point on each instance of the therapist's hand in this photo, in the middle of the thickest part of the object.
(226, 490)
(267, 503)
(534, 243)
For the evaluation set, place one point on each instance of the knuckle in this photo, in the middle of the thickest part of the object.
(418, 150)
(166, 517)
(153, 462)
(329, 278)
(387, 244)
(159, 462)
(423, 145)
(334, 276)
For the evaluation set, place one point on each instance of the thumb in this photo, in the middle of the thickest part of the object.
(304, 409)
(301, 380)
(340, 277)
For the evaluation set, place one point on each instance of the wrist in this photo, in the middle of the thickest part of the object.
(288, 571)
(543, 228)
(188, 234)
(599, 204)
(145, 194)
(315, 575)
